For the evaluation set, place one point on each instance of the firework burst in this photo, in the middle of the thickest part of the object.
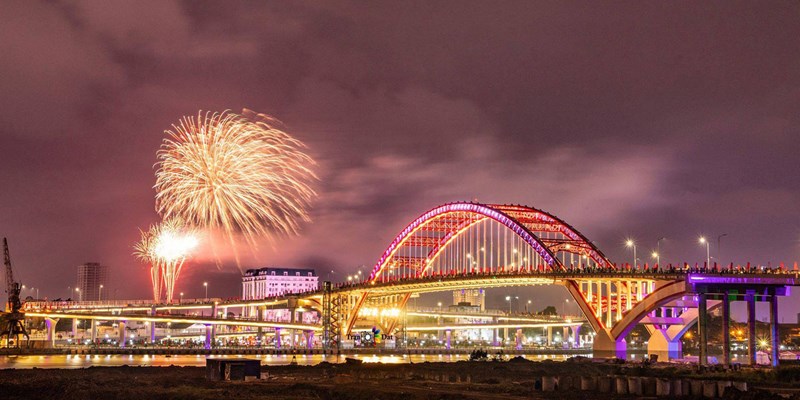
(235, 174)
(165, 247)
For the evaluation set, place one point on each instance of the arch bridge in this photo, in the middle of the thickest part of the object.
(472, 245)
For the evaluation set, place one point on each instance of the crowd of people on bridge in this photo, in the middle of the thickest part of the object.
(548, 270)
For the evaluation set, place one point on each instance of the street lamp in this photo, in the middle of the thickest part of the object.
(657, 257)
(632, 244)
(658, 245)
(100, 294)
(708, 250)
(564, 307)
(719, 247)
(439, 304)
(508, 299)
(205, 284)
(80, 295)
(526, 306)
(181, 297)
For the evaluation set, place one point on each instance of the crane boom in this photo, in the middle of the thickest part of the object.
(9, 275)
(12, 322)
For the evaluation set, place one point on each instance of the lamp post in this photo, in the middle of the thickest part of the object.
(708, 250)
(205, 284)
(657, 257)
(80, 295)
(658, 248)
(526, 306)
(630, 243)
(719, 247)
(564, 307)
(508, 299)
(100, 293)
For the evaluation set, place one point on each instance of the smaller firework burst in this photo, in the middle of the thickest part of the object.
(166, 247)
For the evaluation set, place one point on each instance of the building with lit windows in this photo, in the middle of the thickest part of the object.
(470, 297)
(92, 282)
(268, 282)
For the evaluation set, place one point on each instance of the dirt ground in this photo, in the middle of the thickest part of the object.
(514, 379)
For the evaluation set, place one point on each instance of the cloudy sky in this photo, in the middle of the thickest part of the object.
(627, 119)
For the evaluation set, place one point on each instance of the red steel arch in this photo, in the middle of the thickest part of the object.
(526, 222)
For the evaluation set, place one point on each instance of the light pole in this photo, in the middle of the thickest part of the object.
(658, 248)
(100, 294)
(508, 299)
(526, 306)
(657, 257)
(719, 247)
(181, 301)
(708, 250)
(80, 295)
(205, 284)
(632, 244)
(564, 307)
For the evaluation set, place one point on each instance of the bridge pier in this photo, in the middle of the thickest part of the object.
(576, 339)
(122, 334)
(277, 338)
(519, 337)
(549, 336)
(260, 317)
(773, 328)
(209, 337)
(309, 339)
(448, 336)
(606, 347)
(750, 298)
(94, 331)
(726, 330)
(565, 338)
(151, 325)
(702, 326)
(75, 328)
(50, 324)
(665, 348)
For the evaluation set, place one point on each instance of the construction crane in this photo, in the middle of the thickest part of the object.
(13, 320)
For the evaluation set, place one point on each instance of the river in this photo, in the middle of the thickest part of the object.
(116, 360)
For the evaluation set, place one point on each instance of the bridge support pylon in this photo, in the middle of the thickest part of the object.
(50, 324)
(123, 337)
(606, 347)
(663, 346)
(209, 337)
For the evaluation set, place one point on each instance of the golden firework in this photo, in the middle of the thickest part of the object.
(234, 173)
(166, 247)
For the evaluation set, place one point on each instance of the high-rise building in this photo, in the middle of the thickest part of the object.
(471, 297)
(267, 282)
(92, 282)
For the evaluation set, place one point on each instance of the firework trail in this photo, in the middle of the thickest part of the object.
(237, 174)
(144, 250)
(166, 247)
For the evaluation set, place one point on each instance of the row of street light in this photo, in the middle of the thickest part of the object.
(100, 292)
(630, 243)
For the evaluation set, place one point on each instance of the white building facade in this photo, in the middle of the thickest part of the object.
(269, 282)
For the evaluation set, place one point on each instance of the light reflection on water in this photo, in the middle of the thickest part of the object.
(107, 360)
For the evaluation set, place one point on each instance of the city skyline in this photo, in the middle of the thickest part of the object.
(632, 127)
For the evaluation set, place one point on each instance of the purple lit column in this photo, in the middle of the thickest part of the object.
(277, 338)
(726, 334)
(209, 340)
(751, 327)
(773, 327)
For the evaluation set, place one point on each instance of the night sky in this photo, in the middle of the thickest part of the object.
(637, 119)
